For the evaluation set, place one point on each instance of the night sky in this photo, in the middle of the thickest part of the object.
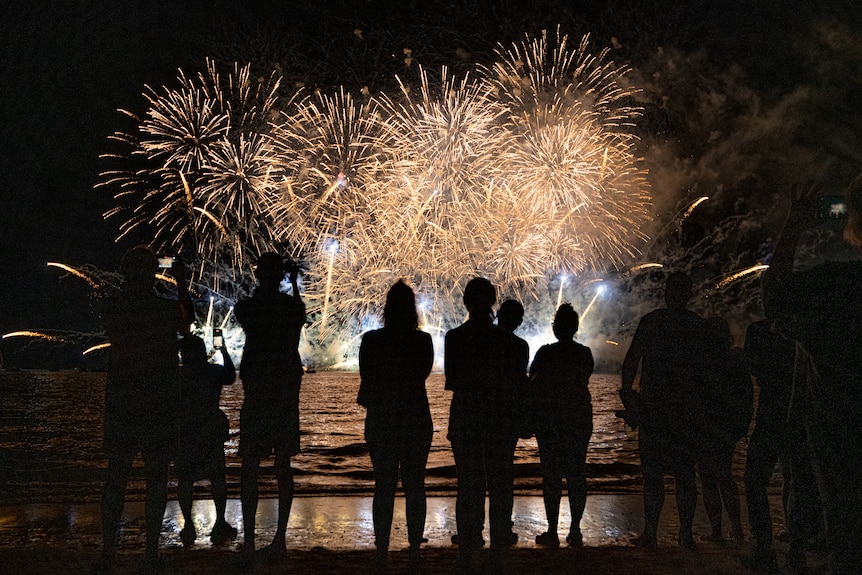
(741, 99)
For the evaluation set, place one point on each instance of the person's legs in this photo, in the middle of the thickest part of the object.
(686, 502)
(730, 493)
(500, 473)
(804, 510)
(156, 472)
(469, 501)
(384, 461)
(113, 495)
(185, 487)
(577, 485)
(760, 463)
(248, 497)
(284, 476)
(653, 496)
(414, 457)
(707, 470)
(222, 531)
(219, 492)
(552, 489)
(834, 427)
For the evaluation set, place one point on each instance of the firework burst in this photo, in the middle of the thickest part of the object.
(202, 164)
(520, 172)
(571, 155)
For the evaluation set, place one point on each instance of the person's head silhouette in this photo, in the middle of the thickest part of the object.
(270, 269)
(193, 351)
(566, 322)
(480, 295)
(139, 269)
(677, 290)
(510, 315)
(399, 311)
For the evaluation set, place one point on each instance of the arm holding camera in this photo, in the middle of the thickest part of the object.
(186, 309)
(292, 268)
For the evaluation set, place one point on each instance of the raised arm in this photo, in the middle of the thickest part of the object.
(293, 274)
(186, 309)
(802, 216)
(228, 365)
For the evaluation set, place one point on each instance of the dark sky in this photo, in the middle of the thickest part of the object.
(66, 67)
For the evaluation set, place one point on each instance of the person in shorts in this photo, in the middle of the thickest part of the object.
(271, 374)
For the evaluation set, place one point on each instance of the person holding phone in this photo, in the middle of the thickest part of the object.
(271, 372)
(141, 395)
(820, 309)
(203, 430)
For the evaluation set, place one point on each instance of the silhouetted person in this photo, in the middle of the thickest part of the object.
(271, 373)
(821, 310)
(203, 430)
(510, 316)
(670, 344)
(141, 396)
(729, 405)
(560, 374)
(479, 365)
(777, 439)
(393, 364)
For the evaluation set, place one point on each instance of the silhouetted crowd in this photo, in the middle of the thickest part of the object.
(684, 386)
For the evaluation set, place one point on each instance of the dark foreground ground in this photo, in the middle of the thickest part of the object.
(611, 560)
(332, 534)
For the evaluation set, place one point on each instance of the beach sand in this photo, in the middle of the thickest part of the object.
(333, 534)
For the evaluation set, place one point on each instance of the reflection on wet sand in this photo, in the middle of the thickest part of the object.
(333, 522)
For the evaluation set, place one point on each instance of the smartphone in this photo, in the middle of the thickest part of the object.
(218, 339)
(166, 262)
(832, 207)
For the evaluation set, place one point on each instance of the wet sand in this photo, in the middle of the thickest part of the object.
(334, 534)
